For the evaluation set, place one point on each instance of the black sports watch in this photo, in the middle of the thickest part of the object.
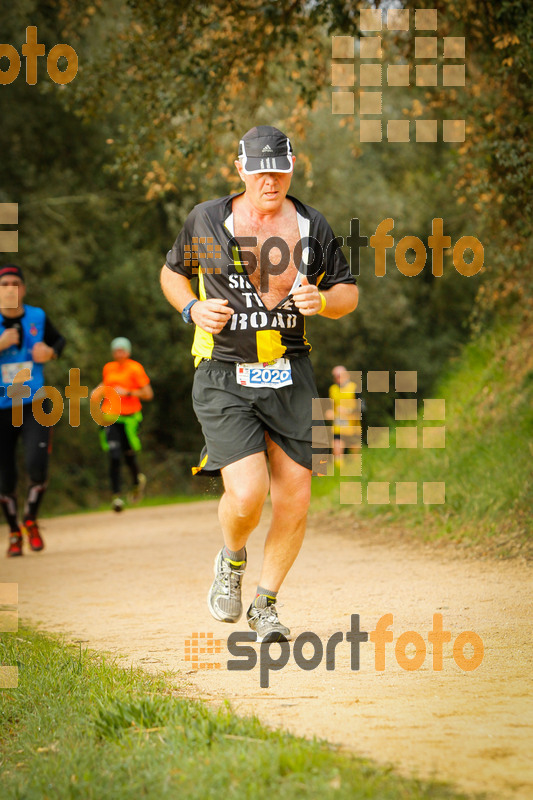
(186, 313)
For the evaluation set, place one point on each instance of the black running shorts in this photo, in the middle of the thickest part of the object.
(235, 418)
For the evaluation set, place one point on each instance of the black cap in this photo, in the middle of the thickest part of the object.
(11, 269)
(265, 149)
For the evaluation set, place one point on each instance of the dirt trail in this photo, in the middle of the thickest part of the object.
(136, 584)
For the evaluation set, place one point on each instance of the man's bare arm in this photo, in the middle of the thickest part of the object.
(210, 315)
(176, 288)
(144, 393)
(341, 299)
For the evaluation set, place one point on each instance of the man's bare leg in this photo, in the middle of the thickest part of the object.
(290, 490)
(338, 452)
(246, 488)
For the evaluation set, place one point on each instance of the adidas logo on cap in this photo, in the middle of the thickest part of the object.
(265, 149)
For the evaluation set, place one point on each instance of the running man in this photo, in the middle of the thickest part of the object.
(121, 439)
(254, 382)
(27, 341)
(346, 414)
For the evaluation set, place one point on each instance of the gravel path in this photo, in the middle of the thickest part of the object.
(135, 584)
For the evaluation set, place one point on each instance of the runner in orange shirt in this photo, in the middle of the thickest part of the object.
(121, 438)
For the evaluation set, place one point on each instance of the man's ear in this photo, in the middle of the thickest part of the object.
(239, 169)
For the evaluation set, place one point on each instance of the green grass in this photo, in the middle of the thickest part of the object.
(147, 502)
(486, 463)
(78, 726)
(210, 492)
(156, 500)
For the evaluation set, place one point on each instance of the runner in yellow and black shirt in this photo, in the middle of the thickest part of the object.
(264, 262)
(207, 248)
(346, 413)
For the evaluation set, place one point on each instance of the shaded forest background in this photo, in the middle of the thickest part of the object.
(106, 168)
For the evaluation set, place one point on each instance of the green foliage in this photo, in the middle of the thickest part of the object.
(494, 167)
(486, 462)
(106, 168)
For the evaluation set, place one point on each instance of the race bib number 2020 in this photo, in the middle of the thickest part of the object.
(273, 374)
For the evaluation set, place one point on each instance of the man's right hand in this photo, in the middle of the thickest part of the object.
(211, 315)
(9, 338)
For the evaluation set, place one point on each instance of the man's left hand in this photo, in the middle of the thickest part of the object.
(307, 298)
(41, 353)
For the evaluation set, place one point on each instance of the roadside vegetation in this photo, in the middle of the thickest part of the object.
(486, 460)
(79, 726)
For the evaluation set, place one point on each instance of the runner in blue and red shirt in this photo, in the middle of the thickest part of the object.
(27, 341)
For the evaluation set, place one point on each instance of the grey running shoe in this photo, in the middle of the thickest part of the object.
(224, 598)
(117, 504)
(265, 622)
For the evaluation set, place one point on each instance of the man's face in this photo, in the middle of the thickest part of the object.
(340, 376)
(120, 354)
(12, 292)
(266, 190)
